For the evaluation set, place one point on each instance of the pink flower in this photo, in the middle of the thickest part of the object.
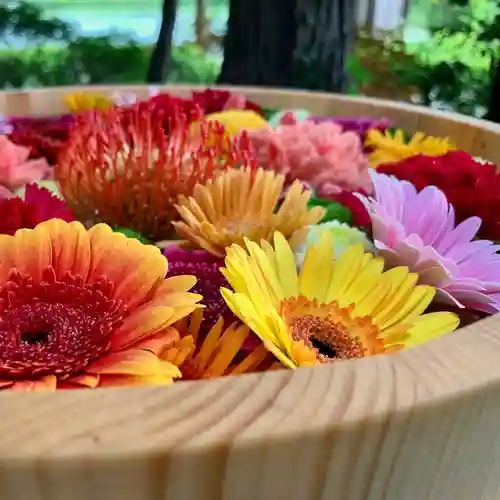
(322, 155)
(417, 229)
(15, 168)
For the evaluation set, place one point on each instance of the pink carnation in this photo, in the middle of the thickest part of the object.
(16, 169)
(418, 230)
(321, 154)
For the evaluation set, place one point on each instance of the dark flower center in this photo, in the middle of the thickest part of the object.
(55, 327)
(328, 337)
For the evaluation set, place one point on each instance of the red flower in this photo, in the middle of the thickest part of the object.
(360, 216)
(214, 101)
(38, 206)
(473, 188)
(44, 136)
(120, 168)
(166, 110)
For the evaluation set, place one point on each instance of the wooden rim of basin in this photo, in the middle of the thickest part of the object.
(423, 420)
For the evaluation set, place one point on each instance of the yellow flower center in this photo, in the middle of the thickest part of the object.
(330, 331)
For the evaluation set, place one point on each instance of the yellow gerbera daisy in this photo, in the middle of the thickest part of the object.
(243, 203)
(331, 310)
(389, 148)
(218, 354)
(77, 102)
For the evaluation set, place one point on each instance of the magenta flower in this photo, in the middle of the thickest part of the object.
(417, 229)
(205, 267)
(360, 125)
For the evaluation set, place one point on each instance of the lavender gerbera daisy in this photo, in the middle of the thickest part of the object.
(417, 229)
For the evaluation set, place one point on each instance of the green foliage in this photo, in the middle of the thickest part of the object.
(451, 70)
(77, 60)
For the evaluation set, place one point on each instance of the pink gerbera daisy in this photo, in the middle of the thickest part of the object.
(417, 229)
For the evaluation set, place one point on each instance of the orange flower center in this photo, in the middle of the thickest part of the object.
(54, 328)
(328, 337)
(329, 330)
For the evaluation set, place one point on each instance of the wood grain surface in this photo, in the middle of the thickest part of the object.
(422, 424)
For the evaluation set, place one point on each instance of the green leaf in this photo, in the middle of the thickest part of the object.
(334, 210)
(130, 233)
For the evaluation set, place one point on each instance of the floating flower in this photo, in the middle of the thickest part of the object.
(389, 147)
(472, 187)
(15, 168)
(205, 267)
(105, 179)
(79, 102)
(349, 200)
(216, 354)
(121, 98)
(38, 205)
(320, 154)
(288, 117)
(235, 121)
(75, 306)
(417, 229)
(44, 136)
(358, 125)
(167, 111)
(342, 309)
(216, 100)
(343, 237)
(242, 204)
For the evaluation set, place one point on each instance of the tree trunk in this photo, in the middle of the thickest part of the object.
(370, 16)
(494, 106)
(159, 65)
(289, 43)
(327, 32)
(259, 43)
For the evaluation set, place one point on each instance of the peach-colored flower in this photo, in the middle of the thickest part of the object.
(321, 154)
(16, 169)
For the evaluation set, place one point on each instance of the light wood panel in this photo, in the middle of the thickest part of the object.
(422, 424)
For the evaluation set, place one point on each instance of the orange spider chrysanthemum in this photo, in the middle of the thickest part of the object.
(245, 203)
(119, 167)
(221, 352)
(78, 306)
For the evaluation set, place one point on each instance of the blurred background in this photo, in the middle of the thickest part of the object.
(440, 53)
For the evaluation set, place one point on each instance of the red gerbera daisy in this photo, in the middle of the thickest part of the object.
(472, 187)
(127, 173)
(39, 205)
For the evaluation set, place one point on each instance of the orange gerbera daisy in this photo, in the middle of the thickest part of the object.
(120, 168)
(245, 203)
(221, 352)
(77, 305)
